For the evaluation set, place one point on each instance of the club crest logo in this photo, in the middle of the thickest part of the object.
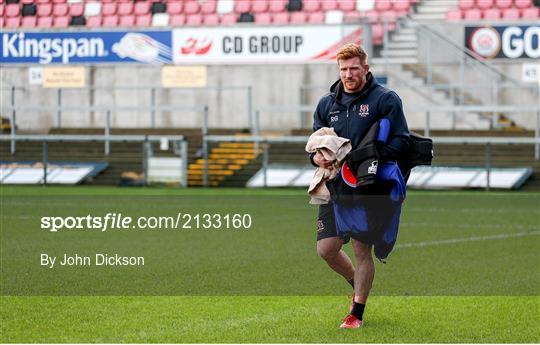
(320, 225)
(373, 168)
(363, 110)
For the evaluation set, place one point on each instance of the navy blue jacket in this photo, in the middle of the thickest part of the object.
(372, 104)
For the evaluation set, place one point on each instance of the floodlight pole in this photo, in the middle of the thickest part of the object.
(488, 166)
(59, 105)
(205, 146)
(45, 160)
(107, 133)
(12, 120)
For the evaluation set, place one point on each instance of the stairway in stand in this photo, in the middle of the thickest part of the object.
(224, 160)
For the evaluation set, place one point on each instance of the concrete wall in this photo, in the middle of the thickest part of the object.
(227, 97)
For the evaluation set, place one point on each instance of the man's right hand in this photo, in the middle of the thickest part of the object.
(319, 160)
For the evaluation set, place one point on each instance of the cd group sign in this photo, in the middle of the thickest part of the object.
(504, 42)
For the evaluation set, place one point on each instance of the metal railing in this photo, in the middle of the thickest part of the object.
(267, 140)
(493, 109)
(153, 106)
(108, 110)
(145, 140)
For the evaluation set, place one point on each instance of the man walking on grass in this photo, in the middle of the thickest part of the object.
(355, 102)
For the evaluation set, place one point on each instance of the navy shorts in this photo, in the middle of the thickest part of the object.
(326, 223)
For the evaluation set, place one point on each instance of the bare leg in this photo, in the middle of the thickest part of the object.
(365, 271)
(330, 250)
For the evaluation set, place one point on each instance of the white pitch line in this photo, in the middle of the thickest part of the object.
(467, 239)
(467, 226)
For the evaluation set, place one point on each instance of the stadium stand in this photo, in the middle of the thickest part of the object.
(494, 10)
(59, 14)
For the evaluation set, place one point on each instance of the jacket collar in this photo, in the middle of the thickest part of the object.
(337, 87)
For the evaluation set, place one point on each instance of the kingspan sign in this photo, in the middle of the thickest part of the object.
(150, 47)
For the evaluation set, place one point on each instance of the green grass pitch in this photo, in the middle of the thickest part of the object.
(466, 269)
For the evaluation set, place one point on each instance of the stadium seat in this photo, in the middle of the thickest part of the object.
(484, 4)
(158, 7)
(26, 2)
(42, 1)
(194, 19)
(174, 7)
(531, 13)
(466, 4)
(312, 5)
(454, 14)
(372, 16)
(28, 10)
(502, 4)
(259, 6)
(13, 22)
(472, 14)
(209, 6)
(124, 8)
(388, 16)
(276, 6)
(61, 22)
(2, 10)
(352, 17)
(294, 5)
(29, 22)
(177, 20)
(365, 5)
(347, 5)
(77, 21)
(523, 3)
(108, 9)
(228, 19)
(383, 5)
(45, 22)
(263, 18)
(329, 5)
(401, 6)
(110, 21)
(246, 17)
(91, 9)
(126, 21)
(492, 14)
(59, 1)
(191, 7)
(510, 14)
(377, 33)
(225, 6)
(280, 18)
(298, 18)
(60, 10)
(76, 9)
(141, 8)
(316, 18)
(12, 10)
(160, 19)
(44, 10)
(242, 6)
(211, 19)
(334, 17)
(143, 20)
